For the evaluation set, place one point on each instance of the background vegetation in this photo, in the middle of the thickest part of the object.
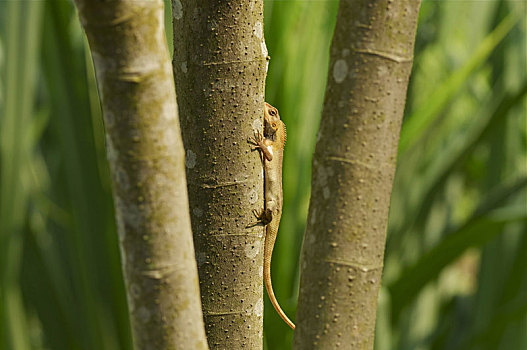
(455, 269)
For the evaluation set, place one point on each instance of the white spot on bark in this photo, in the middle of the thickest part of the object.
(144, 314)
(258, 30)
(313, 218)
(190, 159)
(258, 308)
(177, 9)
(260, 271)
(201, 258)
(156, 274)
(253, 196)
(264, 49)
(322, 176)
(162, 180)
(382, 71)
(184, 67)
(252, 249)
(340, 70)
(197, 212)
(130, 213)
(311, 239)
(257, 124)
(326, 192)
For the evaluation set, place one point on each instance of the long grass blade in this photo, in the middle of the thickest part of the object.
(20, 30)
(486, 222)
(425, 114)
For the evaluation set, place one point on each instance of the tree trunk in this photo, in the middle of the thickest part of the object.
(220, 67)
(147, 161)
(353, 168)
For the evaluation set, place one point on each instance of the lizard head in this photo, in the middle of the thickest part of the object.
(274, 128)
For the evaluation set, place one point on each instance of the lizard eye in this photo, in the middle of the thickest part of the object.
(272, 112)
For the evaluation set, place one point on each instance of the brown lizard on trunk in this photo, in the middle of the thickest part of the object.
(271, 144)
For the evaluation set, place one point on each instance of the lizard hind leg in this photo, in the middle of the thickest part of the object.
(262, 218)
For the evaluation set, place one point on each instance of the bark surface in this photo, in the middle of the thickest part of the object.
(220, 67)
(353, 167)
(146, 157)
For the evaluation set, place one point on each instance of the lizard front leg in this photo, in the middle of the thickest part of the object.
(262, 144)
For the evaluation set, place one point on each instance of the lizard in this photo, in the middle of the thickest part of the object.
(271, 144)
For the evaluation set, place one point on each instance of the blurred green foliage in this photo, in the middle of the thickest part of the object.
(455, 268)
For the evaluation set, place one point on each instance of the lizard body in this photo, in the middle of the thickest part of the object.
(272, 145)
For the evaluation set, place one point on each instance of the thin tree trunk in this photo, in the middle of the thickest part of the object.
(220, 67)
(353, 168)
(147, 161)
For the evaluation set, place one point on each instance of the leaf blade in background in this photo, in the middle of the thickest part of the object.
(424, 115)
(486, 222)
(21, 29)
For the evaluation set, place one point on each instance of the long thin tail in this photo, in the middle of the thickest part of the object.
(269, 288)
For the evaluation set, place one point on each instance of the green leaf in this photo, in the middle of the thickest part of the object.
(424, 115)
(20, 30)
(486, 222)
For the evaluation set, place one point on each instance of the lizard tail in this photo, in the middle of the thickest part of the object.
(272, 297)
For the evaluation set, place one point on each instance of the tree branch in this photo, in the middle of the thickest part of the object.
(353, 168)
(146, 157)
